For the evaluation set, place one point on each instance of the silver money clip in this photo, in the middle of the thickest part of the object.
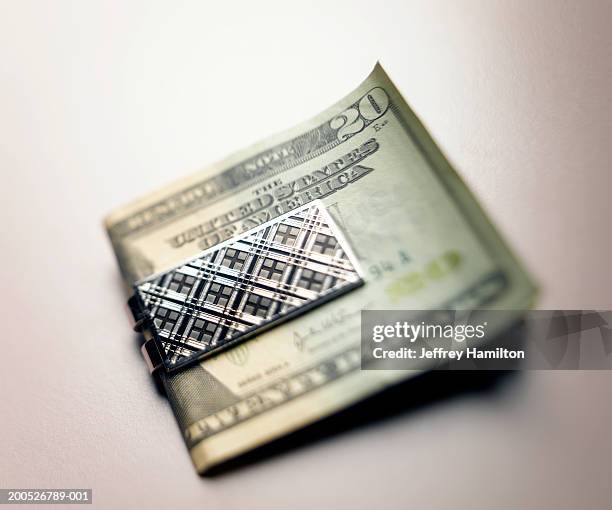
(241, 287)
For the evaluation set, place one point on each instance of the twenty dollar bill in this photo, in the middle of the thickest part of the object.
(421, 239)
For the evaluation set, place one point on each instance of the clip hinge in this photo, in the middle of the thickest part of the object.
(139, 316)
(151, 356)
(149, 349)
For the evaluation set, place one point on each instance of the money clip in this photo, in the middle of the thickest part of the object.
(241, 287)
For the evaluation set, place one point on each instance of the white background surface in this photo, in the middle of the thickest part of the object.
(102, 101)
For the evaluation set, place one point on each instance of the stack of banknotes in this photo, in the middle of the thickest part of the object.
(388, 219)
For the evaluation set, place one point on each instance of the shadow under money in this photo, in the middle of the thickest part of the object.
(431, 388)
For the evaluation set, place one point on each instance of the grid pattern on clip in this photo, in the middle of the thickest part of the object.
(259, 278)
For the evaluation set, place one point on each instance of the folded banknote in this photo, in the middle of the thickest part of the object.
(248, 278)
